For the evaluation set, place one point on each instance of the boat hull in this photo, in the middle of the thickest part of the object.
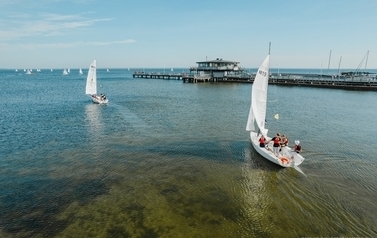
(98, 100)
(285, 158)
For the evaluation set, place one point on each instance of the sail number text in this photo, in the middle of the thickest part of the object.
(264, 73)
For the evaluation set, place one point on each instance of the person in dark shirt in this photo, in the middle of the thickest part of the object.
(262, 141)
(297, 148)
(276, 146)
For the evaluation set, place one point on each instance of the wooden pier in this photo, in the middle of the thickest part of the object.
(154, 75)
(303, 80)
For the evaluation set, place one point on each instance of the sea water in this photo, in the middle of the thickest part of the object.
(171, 159)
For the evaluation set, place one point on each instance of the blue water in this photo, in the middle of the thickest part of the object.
(173, 159)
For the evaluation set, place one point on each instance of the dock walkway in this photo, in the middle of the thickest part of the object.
(304, 80)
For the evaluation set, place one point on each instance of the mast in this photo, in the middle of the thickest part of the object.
(366, 60)
(328, 66)
(269, 51)
(339, 66)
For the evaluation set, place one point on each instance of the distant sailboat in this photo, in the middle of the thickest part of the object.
(171, 69)
(69, 70)
(16, 70)
(51, 70)
(108, 70)
(91, 85)
(65, 72)
(28, 72)
(80, 71)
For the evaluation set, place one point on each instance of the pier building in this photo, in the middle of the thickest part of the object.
(215, 70)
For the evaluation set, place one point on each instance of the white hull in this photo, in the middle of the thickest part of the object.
(98, 100)
(285, 158)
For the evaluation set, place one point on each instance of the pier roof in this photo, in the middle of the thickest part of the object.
(218, 60)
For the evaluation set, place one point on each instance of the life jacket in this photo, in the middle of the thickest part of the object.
(262, 140)
(276, 140)
(298, 148)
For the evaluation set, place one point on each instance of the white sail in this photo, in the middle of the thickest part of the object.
(91, 80)
(259, 98)
(250, 120)
(80, 71)
(65, 72)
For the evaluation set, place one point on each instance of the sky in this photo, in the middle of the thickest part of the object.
(179, 33)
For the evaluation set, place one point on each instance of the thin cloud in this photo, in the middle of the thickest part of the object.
(32, 46)
(128, 41)
(44, 24)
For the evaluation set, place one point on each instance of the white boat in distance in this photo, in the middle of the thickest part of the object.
(91, 85)
(257, 118)
(65, 72)
(80, 71)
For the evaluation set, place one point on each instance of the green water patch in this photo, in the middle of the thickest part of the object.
(162, 198)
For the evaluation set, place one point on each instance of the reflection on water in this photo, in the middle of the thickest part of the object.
(92, 112)
(157, 162)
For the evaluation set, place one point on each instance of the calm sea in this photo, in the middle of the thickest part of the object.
(172, 159)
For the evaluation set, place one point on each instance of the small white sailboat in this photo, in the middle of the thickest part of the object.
(16, 70)
(65, 72)
(91, 85)
(80, 71)
(107, 70)
(257, 118)
(69, 70)
(28, 72)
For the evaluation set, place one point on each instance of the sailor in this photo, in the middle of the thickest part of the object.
(297, 147)
(262, 141)
(276, 141)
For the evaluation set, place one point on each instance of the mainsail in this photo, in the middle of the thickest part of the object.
(259, 98)
(91, 80)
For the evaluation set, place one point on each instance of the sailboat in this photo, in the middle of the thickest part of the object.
(65, 72)
(91, 85)
(257, 118)
(80, 71)
(28, 72)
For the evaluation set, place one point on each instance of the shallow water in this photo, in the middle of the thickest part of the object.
(168, 159)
